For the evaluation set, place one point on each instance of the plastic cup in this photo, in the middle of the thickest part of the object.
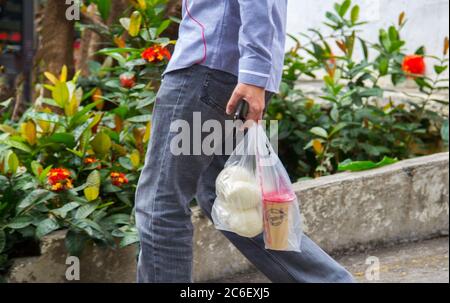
(276, 220)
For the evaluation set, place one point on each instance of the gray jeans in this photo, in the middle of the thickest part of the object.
(169, 183)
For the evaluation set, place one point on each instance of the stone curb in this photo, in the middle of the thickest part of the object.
(401, 202)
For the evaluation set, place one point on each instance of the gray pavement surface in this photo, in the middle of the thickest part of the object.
(417, 262)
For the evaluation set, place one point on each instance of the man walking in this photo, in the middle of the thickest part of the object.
(228, 50)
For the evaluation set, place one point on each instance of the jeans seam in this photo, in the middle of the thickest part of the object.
(275, 259)
(185, 78)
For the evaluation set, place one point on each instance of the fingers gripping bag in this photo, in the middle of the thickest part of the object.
(255, 195)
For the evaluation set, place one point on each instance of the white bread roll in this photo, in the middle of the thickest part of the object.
(232, 174)
(238, 187)
(248, 223)
(243, 196)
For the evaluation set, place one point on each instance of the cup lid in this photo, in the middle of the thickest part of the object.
(279, 197)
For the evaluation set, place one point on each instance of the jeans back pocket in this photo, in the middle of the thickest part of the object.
(218, 88)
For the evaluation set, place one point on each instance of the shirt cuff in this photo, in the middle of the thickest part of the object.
(253, 78)
(254, 73)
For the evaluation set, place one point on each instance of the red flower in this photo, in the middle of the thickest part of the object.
(127, 80)
(414, 65)
(331, 65)
(92, 160)
(156, 53)
(59, 179)
(118, 179)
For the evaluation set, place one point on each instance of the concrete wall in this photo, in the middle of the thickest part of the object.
(401, 202)
(428, 20)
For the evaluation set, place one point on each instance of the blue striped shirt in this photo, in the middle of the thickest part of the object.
(243, 37)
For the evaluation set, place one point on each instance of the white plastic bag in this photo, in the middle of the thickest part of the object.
(255, 195)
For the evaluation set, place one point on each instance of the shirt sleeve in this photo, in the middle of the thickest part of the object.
(255, 41)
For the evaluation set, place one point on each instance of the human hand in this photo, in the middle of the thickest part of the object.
(255, 97)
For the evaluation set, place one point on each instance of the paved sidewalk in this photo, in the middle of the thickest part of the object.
(420, 262)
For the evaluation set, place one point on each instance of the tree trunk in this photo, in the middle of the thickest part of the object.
(57, 37)
(118, 8)
(91, 41)
(173, 10)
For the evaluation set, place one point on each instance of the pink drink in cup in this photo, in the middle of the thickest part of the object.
(276, 219)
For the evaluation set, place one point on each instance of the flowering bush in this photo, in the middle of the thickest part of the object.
(352, 119)
(414, 65)
(73, 160)
(156, 53)
(59, 179)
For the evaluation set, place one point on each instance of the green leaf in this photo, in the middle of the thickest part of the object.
(62, 211)
(101, 144)
(116, 219)
(93, 179)
(125, 22)
(91, 193)
(383, 66)
(119, 58)
(365, 49)
(44, 173)
(75, 242)
(79, 115)
(163, 26)
(125, 162)
(146, 102)
(319, 131)
(439, 69)
(365, 165)
(64, 138)
(60, 93)
(384, 40)
(444, 132)
(423, 83)
(47, 117)
(372, 92)
(35, 197)
(20, 222)
(36, 168)
(420, 51)
(355, 14)
(46, 226)
(17, 144)
(135, 24)
(140, 119)
(91, 228)
(104, 8)
(338, 127)
(12, 162)
(333, 17)
(344, 7)
(128, 239)
(334, 113)
(85, 210)
(110, 50)
(79, 154)
(393, 34)
(113, 83)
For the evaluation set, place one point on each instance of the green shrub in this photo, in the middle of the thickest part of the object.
(349, 121)
(73, 160)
